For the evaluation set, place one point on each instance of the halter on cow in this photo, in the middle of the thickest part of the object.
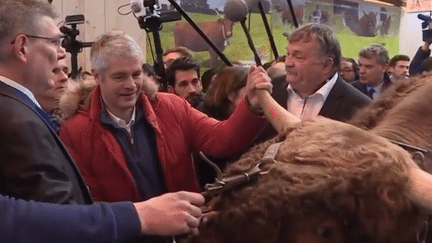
(333, 182)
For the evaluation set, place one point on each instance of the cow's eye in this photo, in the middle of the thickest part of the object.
(324, 232)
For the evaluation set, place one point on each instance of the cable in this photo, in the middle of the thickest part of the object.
(122, 6)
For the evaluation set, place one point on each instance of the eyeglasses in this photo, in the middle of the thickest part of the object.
(54, 40)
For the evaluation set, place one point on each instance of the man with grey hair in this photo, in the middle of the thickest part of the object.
(312, 86)
(141, 142)
(35, 165)
(373, 63)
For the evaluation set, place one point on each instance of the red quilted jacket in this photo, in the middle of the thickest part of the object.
(180, 130)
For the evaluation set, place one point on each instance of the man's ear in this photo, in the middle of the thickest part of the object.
(96, 76)
(328, 65)
(386, 66)
(232, 96)
(171, 89)
(20, 48)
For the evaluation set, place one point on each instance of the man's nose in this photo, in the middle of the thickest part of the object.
(61, 53)
(192, 88)
(130, 83)
(289, 61)
(64, 77)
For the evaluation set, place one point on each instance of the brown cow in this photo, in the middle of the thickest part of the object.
(385, 25)
(286, 14)
(365, 26)
(329, 181)
(219, 31)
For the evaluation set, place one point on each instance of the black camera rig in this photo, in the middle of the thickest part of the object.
(71, 44)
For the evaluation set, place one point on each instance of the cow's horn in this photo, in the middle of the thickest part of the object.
(279, 117)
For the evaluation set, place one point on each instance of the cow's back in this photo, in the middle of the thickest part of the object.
(185, 35)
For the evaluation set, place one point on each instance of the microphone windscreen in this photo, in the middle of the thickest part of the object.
(136, 6)
(236, 10)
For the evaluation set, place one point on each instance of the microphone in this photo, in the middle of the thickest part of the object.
(136, 6)
(236, 10)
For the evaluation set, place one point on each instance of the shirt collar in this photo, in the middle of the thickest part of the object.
(375, 87)
(21, 88)
(323, 91)
(120, 122)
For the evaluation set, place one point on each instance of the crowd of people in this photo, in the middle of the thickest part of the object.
(116, 160)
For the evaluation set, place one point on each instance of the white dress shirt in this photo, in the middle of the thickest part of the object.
(309, 107)
(377, 89)
(122, 123)
(21, 88)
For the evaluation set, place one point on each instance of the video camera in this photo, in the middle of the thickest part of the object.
(427, 27)
(154, 18)
(70, 43)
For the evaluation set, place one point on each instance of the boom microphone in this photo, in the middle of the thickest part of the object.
(236, 10)
(136, 6)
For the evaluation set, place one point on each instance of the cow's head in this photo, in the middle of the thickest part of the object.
(367, 23)
(227, 27)
(330, 182)
(352, 184)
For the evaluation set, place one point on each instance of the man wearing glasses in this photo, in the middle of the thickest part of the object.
(35, 165)
(349, 70)
(33, 162)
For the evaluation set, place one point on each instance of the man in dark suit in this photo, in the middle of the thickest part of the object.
(311, 86)
(373, 63)
(34, 164)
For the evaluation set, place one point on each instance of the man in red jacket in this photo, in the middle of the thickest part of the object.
(134, 145)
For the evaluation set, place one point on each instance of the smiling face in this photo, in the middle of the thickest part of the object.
(121, 84)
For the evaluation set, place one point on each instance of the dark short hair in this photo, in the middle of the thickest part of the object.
(206, 78)
(355, 66)
(183, 64)
(183, 51)
(398, 58)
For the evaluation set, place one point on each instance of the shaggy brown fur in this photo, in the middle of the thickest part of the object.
(373, 114)
(354, 177)
(402, 114)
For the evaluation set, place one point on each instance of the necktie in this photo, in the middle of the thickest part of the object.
(370, 92)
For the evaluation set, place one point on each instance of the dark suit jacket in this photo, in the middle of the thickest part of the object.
(362, 87)
(35, 222)
(341, 104)
(34, 163)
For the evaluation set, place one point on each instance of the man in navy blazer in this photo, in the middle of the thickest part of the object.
(312, 86)
(34, 164)
(373, 64)
(32, 222)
